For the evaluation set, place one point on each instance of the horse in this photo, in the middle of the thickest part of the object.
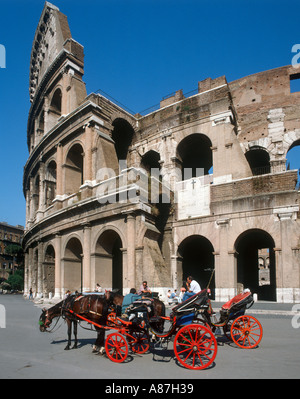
(115, 299)
(92, 307)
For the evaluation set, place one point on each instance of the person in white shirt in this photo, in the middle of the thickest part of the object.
(193, 288)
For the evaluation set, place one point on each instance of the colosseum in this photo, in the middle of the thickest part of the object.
(200, 185)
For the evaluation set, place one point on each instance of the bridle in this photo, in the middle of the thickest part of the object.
(48, 321)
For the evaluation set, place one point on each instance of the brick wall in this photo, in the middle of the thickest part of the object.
(257, 185)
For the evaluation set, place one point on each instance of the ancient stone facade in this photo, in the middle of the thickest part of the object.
(10, 236)
(199, 186)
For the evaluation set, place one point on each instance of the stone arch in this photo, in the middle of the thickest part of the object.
(293, 156)
(50, 181)
(249, 246)
(73, 168)
(109, 259)
(55, 107)
(196, 257)
(150, 160)
(36, 194)
(259, 160)
(194, 155)
(72, 259)
(49, 269)
(122, 136)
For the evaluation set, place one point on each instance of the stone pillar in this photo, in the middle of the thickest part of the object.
(131, 263)
(286, 282)
(42, 187)
(31, 213)
(88, 165)
(86, 267)
(58, 287)
(26, 274)
(30, 268)
(40, 270)
(27, 209)
(225, 265)
(59, 163)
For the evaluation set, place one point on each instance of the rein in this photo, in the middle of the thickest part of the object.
(52, 330)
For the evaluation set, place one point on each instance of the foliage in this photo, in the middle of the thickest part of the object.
(14, 250)
(16, 280)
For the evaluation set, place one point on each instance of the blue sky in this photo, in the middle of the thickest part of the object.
(138, 51)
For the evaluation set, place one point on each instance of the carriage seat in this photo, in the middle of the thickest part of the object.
(238, 301)
(196, 301)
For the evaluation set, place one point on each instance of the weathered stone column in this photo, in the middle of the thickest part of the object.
(86, 267)
(58, 287)
(225, 276)
(30, 267)
(26, 274)
(40, 269)
(88, 167)
(131, 262)
(59, 163)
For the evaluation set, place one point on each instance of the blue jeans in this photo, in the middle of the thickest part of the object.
(187, 295)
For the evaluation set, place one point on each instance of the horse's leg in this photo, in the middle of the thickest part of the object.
(75, 325)
(69, 324)
(99, 343)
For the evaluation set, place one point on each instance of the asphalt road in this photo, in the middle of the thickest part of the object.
(26, 353)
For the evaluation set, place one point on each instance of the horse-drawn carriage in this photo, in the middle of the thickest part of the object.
(191, 326)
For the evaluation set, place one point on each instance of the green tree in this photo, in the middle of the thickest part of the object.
(16, 280)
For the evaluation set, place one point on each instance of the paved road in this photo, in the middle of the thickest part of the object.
(27, 353)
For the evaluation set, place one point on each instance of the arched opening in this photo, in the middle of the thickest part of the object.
(196, 253)
(74, 169)
(34, 272)
(293, 158)
(49, 271)
(151, 160)
(256, 267)
(54, 112)
(151, 166)
(40, 127)
(50, 183)
(36, 195)
(109, 261)
(73, 265)
(259, 161)
(195, 156)
(122, 136)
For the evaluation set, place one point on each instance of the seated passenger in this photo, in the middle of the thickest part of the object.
(193, 288)
(144, 289)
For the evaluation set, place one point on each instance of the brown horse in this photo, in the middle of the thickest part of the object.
(92, 307)
(159, 309)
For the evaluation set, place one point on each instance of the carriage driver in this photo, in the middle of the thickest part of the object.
(129, 299)
(193, 288)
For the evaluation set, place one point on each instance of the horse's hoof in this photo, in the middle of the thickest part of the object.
(67, 348)
(74, 347)
(102, 351)
(95, 349)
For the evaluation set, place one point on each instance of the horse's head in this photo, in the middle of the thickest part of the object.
(45, 320)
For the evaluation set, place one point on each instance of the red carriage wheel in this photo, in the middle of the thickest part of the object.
(116, 347)
(139, 342)
(195, 346)
(246, 332)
